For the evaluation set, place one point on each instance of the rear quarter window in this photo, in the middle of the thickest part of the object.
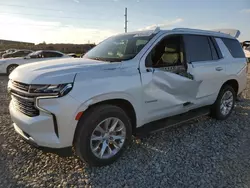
(234, 47)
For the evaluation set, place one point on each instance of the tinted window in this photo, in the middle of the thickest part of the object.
(213, 50)
(20, 53)
(51, 54)
(234, 47)
(197, 48)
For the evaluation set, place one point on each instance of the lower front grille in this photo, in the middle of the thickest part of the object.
(25, 105)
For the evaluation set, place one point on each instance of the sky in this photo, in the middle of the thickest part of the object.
(91, 21)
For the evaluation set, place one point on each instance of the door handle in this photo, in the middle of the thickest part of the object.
(219, 68)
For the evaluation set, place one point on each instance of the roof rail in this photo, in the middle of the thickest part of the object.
(232, 32)
(195, 30)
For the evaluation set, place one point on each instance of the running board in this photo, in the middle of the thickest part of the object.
(171, 121)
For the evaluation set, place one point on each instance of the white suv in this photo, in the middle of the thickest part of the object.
(97, 102)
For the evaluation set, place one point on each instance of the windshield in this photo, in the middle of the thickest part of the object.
(119, 48)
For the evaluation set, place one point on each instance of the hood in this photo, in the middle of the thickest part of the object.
(57, 71)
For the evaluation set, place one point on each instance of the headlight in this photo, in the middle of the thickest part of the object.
(52, 90)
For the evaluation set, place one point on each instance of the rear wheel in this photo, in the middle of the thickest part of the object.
(224, 104)
(11, 68)
(103, 134)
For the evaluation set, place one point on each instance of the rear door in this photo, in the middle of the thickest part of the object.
(206, 65)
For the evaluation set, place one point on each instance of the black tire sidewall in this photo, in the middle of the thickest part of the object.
(87, 126)
(216, 108)
(9, 67)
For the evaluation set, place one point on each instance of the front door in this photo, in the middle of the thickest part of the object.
(168, 87)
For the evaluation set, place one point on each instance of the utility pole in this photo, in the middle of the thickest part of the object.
(126, 20)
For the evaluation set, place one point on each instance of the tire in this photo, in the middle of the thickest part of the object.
(10, 68)
(87, 126)
(217, 109)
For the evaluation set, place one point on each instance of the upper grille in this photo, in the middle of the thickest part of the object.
(21, 86)
(22, 100)
(26, 106)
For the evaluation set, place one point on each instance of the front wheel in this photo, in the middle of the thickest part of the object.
(224, 104)
(103, 133)
(11, 68)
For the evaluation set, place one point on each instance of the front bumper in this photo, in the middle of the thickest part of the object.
(65, 152)
(55, 125)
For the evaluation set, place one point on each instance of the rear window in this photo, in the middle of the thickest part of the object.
(234, 47)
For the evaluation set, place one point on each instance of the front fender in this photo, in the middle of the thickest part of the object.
(113, 96)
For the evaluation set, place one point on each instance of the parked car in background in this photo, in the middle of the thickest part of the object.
(6, 52)
(246, 48)
(11, 50)
(17, 53)
(121, 86)
(8, 65)
(1, 53)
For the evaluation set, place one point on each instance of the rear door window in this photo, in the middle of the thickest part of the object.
(234, 47)
(197, 48)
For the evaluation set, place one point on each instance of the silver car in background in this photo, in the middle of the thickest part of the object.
(8, 65)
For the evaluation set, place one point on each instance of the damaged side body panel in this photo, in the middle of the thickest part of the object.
(178, 87)
(166, 93)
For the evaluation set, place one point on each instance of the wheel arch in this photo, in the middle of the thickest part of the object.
(10, 65)
(123, 103)
(233, 83)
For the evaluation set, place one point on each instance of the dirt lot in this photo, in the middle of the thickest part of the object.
(202, 153)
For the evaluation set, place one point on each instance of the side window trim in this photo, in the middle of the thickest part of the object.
(217, 48)
(215, 55)
(209, 43)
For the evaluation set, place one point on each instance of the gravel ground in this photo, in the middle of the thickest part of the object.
(202, 153)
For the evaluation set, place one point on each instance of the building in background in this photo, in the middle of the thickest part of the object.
(65, 48)
(10, 42)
